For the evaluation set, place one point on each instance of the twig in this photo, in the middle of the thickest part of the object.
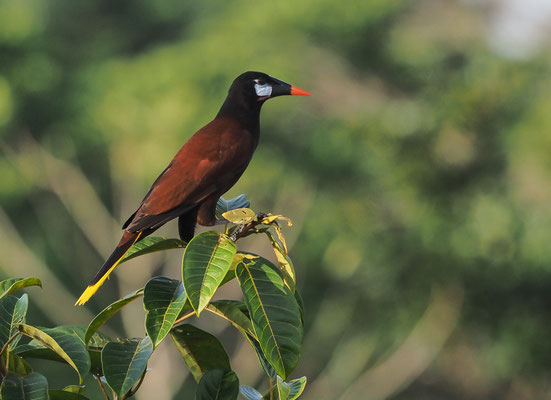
(8, 342)
(3, 366)
(243, 230)
(102, 387)
(184, 318)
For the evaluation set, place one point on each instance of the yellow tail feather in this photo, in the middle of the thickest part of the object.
(91, 290)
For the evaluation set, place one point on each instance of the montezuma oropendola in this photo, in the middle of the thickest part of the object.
(206, 167)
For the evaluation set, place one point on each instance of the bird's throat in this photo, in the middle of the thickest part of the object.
(243, 110)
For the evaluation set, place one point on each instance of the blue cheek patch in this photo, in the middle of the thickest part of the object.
(263, 90)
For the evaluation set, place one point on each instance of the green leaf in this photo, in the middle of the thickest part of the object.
(152, 244)
(74, 389)
(95, 361)
(285, 262)
(11, 285)
(187, 309)
(266, 366)
(283, 389)
(217, 384)
(236, 313)
(65, 395)
(250, 393)
(232, 311)
(108, 312)
(223, 205)
(36, 350)
(31, 387)
(12, 312)
(206, 261)
(272, 220)
(274, 313)
(65, 343)
(201, 351)
(300, 303)
(124, 363)
(163, 301)
(296, 387)
(240, 216)
(230, 275)
(16, 364)
(98, 339)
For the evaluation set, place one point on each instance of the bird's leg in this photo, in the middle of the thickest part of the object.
(206, 213)
(186, 225)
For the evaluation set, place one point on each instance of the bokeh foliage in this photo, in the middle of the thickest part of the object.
(417, 175)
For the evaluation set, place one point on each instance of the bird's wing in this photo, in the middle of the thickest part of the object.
(178, 189)
(200, 169)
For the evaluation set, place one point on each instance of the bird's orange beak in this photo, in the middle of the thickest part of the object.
(280, 88)
(295, 91)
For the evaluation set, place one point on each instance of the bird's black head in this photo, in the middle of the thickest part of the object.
(258, 87)
(247, 94)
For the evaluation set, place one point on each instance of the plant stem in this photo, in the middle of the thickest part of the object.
(243, 230)
(4, 348)
(184, 318)
(102, 387)
(271, 389)
(3, 367)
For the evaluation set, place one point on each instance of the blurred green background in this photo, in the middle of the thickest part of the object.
(417, 176)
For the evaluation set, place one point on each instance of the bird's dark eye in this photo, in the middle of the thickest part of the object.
(260, 81)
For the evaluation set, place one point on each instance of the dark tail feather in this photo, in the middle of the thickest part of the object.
(127, 240)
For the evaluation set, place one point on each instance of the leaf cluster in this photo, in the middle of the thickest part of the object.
(270, 319)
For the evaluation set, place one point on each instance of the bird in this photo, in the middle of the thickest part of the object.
(206, 167)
